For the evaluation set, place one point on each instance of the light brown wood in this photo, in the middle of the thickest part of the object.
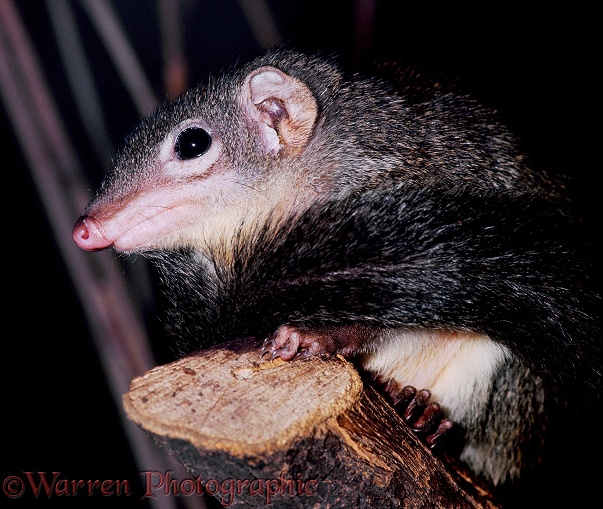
(306, 433)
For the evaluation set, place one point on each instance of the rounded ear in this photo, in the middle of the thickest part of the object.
(282, 106)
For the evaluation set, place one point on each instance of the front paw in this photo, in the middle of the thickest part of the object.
(285, 343)
(290, 342)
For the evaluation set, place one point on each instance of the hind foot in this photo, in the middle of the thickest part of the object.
(426, 419)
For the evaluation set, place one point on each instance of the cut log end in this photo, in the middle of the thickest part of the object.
(226, 414)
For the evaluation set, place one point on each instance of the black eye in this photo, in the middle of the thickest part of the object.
(192, 142)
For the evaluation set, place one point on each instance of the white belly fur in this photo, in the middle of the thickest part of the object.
(456, 367)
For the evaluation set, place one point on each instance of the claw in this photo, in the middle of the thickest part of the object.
(443, 428)
(303, 354)
(276, 353)
(266, 347)
(416, 406)
(269, 349)
(401, 398)
(429, 419)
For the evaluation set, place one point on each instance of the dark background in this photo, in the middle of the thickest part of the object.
(536, 66)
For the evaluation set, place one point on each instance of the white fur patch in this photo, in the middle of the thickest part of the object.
(456, 367)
